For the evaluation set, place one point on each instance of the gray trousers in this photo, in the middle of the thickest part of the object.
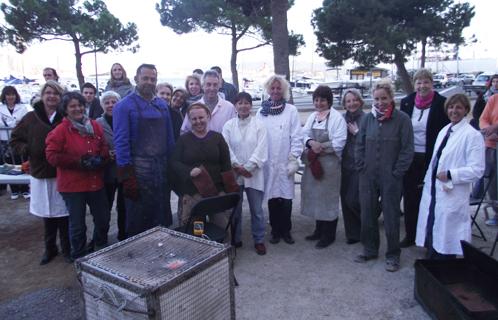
(490, 173)
(380, 192)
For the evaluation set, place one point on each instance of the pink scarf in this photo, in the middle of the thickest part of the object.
(424, 103)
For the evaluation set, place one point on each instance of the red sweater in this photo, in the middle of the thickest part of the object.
(64, 149)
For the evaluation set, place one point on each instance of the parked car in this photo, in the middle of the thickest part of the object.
(440, 80)
(482, 79)
(462, 79)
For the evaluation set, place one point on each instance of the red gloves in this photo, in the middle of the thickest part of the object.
(25, 167)
(240, 170)
(315, 165)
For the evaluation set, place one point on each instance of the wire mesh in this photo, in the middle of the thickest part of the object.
(160, 274)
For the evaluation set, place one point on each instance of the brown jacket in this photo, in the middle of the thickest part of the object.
(28, 139)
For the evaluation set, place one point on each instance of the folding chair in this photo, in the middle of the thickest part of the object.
(479, 203)
(208, 207)
(494, 245)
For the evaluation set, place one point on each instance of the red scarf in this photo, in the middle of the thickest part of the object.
(385, 115)
(424, 103)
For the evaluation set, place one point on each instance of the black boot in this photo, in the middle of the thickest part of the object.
(327, 234)
(50, 226)
(316, 234)
(64, 239)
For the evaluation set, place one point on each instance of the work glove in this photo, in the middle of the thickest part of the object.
(25, 167)
(126, 175)
(314, 164)
(292, 166)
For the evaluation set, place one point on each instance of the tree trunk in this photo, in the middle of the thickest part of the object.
(422, 55)
(406, 81)
(233, 59)
(79, 72)
(280, 37)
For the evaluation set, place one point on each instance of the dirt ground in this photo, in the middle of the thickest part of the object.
(290, 282)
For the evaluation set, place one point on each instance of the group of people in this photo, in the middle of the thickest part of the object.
(147, 141)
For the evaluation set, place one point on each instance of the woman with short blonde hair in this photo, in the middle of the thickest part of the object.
(353, 102)
(285, 140)
(28, 137)
(383, 153)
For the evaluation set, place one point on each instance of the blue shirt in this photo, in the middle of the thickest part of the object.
(125, 124)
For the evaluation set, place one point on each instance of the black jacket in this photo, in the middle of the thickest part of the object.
(95, 109)
(436, 121)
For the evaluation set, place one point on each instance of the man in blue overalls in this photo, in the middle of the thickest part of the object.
(143, 138)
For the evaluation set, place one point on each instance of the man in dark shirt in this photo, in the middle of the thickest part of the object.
(93, 109)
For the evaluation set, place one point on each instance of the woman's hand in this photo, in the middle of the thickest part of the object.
(488, 131)
(442, 176)
(241, 171)
(195, 172)
(315, 146)
(353, 128)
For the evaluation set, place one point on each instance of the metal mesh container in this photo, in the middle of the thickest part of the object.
(158, 274)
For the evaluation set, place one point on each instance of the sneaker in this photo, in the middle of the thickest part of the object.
(14, 196)
(392, 265)
(260, 249)
(26, 195)
(492, 222)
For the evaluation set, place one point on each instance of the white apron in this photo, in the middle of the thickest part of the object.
(320, 198)
(46, 201)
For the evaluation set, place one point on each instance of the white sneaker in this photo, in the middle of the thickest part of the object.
(26, 195)
(14, 196)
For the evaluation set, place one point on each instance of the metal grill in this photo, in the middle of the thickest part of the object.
(199, 297)
(159, 272)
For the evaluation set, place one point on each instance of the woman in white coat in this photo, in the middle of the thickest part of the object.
(11, 111)
(28, 137)
(457, 162)
(247, 141)
(325, 134)
(285, 145)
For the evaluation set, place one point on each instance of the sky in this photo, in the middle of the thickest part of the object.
(177, 55)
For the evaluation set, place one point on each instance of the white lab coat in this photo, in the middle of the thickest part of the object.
(285, 140)
(8, 120)
(463, 156)
(248, 147)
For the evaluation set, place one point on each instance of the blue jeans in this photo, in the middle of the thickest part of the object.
(255, 198)
(76, 205)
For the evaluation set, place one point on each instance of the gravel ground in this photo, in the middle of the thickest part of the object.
(290, 282)
(45, 304)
